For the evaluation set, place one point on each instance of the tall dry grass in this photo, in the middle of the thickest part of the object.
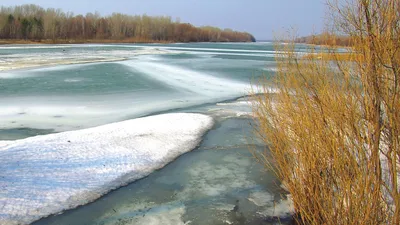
(333, 127)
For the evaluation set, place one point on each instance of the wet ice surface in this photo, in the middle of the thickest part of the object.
(80, 96)
(150, 79)
(218, 183)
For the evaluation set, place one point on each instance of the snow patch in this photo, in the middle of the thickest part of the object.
(47, 174)
(73, 80)
(4, 143)
(261, 198)
(189, 80)
(224, 207)
(236, 103)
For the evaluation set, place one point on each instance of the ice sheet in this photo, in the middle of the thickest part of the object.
(47, 174)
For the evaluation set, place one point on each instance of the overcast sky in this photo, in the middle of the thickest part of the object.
(262, 18)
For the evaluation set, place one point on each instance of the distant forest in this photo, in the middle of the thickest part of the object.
(32, 22)
(325, 39)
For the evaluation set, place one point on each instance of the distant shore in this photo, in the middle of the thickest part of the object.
(63, 41)
(88, 41)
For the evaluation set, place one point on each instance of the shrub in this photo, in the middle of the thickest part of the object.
(333, 127)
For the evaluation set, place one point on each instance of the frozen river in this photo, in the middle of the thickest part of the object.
(47, 89)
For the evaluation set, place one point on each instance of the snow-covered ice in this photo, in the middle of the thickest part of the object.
(47, 174)
(54, 58)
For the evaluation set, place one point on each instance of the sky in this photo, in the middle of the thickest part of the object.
(265, 19)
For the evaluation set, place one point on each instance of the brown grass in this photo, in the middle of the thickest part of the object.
(334, 56)
(327, 39)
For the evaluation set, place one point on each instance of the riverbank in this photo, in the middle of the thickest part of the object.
(80, 41)
(94, 41)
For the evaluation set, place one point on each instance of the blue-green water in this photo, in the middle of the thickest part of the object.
(53, 88)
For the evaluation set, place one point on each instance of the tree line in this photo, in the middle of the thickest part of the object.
(32, 22)
(326, 38)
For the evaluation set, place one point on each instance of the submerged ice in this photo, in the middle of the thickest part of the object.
(47, 174)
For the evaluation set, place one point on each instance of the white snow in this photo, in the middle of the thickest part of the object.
(261, 198)
(189, 80)
(47, 174)
(4, 143)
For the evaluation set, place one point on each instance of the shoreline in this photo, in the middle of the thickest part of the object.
(97, 41)
(117, 211)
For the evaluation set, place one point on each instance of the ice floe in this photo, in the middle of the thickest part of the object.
(42, 59)
(207, 179)
(47, 174)
(261, 198)
(271, 208)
